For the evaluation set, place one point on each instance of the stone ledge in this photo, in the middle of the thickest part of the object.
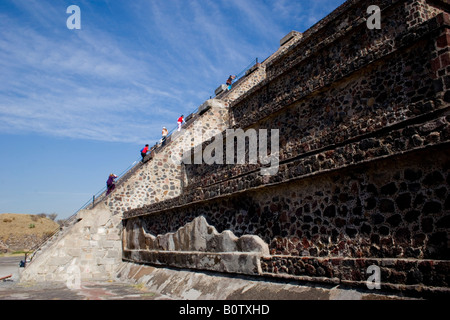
(289, 37)
(189, 285)
(229, 262)
(425, 130)
(419, 275)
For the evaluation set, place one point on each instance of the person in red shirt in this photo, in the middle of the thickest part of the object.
(144, 152)
(180, 122)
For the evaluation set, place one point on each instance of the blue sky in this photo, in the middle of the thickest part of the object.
(76, 105)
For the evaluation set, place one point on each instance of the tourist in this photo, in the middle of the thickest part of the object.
(230, 81)
(164, 134)
(110, 183)
(180, 121)
(144, 152)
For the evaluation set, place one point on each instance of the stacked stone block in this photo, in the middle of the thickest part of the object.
(90, 250)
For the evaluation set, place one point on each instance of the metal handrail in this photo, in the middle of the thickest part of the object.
(70, 219)
(240, 74)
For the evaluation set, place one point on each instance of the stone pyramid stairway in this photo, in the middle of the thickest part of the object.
(90, 248)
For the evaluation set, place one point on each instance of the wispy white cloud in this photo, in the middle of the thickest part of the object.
(84, 87)
(133, 67)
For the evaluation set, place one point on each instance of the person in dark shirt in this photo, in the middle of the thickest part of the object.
(110, 183)
(230, 81)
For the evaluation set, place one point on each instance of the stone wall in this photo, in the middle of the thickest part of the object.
(359, 113)
(361, 117)
(393, 213)
(256, 74)
(387, 70)
(88, 250)
(377, 195)
(161, 176)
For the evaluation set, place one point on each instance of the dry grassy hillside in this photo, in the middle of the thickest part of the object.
(23, 231)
